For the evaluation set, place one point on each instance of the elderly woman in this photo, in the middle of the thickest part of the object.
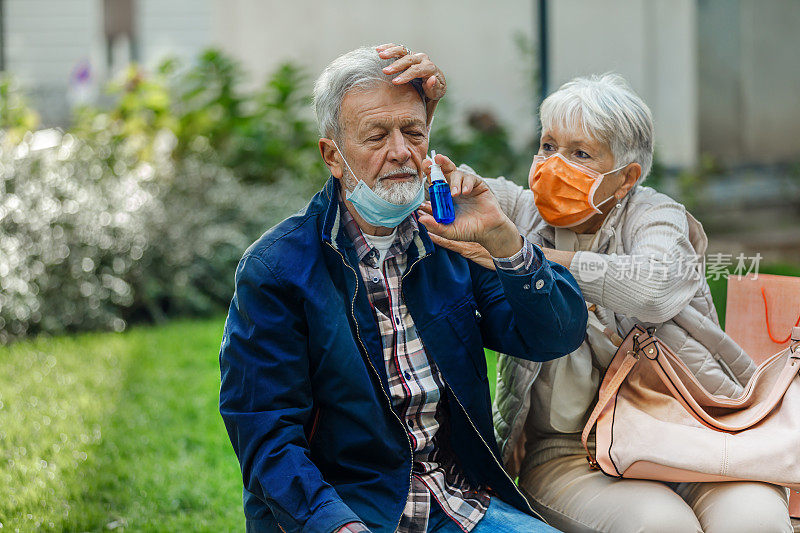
(637, 256)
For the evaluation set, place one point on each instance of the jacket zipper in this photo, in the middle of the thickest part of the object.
(314, 425)
(377, 375)
(534, 513)
(471, 423)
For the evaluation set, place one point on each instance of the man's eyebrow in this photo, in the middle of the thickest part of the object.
(386, 123)
(412, 122)
(376, 123)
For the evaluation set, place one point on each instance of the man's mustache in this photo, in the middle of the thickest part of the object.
(402, 170)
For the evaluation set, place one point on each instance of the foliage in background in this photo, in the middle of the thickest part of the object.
(482, 141)
(90, 242)
(484, 144)
(263, 136)
(144, 209)
(16, 117)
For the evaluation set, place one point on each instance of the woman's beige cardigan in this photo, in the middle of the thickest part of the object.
(647, 224)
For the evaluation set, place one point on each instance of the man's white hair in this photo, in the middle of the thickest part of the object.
(361, 68)
(604, 108)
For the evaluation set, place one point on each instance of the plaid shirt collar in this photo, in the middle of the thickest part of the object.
(407, 232)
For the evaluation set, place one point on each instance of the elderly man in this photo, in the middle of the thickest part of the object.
(354, 384)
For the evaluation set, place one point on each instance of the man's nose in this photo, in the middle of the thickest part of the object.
(399, 151)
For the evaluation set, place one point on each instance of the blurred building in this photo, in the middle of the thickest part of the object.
(721, 76)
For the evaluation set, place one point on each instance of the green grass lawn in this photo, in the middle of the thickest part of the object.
(121, 431)
(117, 431)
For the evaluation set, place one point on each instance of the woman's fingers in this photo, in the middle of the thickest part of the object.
(425, 208)
(447, 165)
(455, 183)
(469, 250)
(431, 225)
(410, 67)
(408, 61)
(469, 182)
(445, 243)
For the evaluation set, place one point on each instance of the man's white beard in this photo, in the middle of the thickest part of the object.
(399, 193)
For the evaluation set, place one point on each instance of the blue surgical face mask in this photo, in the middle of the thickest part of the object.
(374, 209)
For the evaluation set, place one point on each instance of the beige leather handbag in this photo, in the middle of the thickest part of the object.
(655, 421)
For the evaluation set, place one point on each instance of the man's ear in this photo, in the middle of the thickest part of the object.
(631, 175)
(331, 157)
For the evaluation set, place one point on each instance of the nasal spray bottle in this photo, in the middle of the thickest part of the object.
(441, 200)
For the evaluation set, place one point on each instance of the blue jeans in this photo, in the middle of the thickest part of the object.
(500, 517)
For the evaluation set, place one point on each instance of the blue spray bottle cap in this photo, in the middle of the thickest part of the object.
(436, 169)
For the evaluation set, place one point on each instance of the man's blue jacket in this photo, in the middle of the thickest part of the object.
(304, 392)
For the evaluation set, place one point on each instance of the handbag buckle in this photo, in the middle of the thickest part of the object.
(636, 346)
(592, 463)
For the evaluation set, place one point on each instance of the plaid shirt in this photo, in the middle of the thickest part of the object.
(415, 385)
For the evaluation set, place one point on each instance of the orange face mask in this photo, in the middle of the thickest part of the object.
(564, 190)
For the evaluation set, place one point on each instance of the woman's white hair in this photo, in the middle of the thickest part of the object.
(361, 68)
(605, 108)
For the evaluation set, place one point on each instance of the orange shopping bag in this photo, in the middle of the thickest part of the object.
(759, 316)
(761, 312)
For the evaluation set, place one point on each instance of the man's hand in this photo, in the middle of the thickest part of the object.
(478, 215)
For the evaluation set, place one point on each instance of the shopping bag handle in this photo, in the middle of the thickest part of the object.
(769, 330)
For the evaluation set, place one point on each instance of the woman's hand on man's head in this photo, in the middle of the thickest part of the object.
(409, 66)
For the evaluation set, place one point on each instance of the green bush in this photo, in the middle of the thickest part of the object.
(484, 144)
(143, 209)
(16, 117)
(263, 136)
(92, 241)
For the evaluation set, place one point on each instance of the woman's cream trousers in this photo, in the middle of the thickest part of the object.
(574, 498)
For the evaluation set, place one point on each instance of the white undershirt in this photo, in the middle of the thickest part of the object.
(382, 244)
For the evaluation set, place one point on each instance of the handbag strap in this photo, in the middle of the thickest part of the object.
(705, 398)
(606, 394)
(652, 349)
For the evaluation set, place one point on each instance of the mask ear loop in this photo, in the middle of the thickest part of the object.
(345, 160)
(602, 177)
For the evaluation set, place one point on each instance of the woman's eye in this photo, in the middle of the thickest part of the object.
(375, 138)
(415, 134)
(547, 147)
(582, 155)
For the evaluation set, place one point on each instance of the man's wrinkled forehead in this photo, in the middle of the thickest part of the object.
(381, 105)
